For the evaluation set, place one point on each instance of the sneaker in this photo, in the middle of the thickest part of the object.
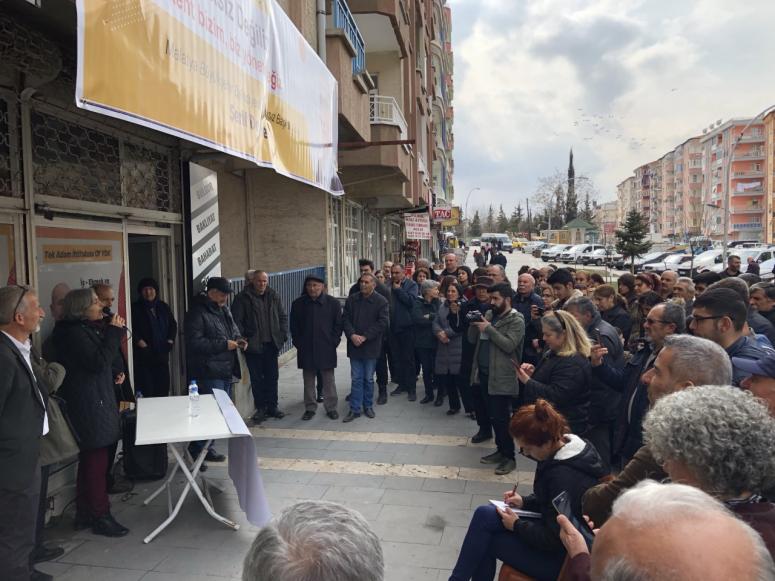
(494, 458)
(505, 467)
(308, 415)
(333, 414)
(43, 553)
(350, 417)
(369, 412)
(479, 437)
(108, 527)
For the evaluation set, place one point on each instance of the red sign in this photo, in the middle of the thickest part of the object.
(442, 213)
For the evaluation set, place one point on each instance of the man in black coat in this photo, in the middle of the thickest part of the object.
(365, 321)
(316, 330)
(605, 401)
(23, 421)
(403, 295)
(498, 257)
(212, 340)
(385, 358)
(525, 298)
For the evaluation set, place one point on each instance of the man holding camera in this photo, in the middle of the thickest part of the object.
(498, 336)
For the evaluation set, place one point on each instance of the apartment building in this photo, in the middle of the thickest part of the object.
(625, 199)
(742, 170)
(769, 182)
(666, 205)
(687, 159)
(647, 190)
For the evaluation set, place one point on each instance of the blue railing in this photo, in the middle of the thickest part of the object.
(343, 19)
(289, 284)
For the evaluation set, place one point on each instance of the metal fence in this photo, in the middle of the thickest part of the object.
(289, 284)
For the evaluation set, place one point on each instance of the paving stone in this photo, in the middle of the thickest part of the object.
(202, 561)
(348, 480)
(398, 573)
(401, 515)
(417, 555)
(127, 555)
(453, 536)
(432, 500)
(86, 573)
(344, 494)
(441, 485)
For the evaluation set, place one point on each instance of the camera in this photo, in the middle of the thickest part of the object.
(474, 316)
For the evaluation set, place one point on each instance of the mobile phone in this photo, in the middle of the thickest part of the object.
(597, 336)
(514, 363)
(562, 505)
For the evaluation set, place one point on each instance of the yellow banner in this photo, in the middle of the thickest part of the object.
(233, 75)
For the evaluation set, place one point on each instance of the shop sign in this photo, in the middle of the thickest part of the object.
(418, 226)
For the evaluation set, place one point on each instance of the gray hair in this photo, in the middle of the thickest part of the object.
(251, 274)
(735, 284)
(428, 285)
(76, 302)
(649, 503)
(768, 288)
(688, 282)
(315, 541)
(9, 297)
(583, 305)
(722, 435)
(675, 314)
(688, 350)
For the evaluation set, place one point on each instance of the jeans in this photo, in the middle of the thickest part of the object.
(264, 372)
(362, 375)
(425, 359)
(487, 540)
(402, 354)
(206, 386)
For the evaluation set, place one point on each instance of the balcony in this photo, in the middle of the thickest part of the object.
(750, 154)
(383, 24)
(748, 226)
(748, 174)
(343, 20)
(384, 110)
(752, 137)
(747, 209)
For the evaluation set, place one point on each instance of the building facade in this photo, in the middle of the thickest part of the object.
(626, 200)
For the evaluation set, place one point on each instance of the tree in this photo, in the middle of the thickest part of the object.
(516, 219)
(503, 222)
(552, 195)
(571, 202)
(475, 229)
(559, 205)
(632, 239)
(489, 223)
(587, 213)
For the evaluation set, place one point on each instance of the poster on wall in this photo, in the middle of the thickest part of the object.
(7, 255)
(203, 234)
(71, 258)
(418, 226)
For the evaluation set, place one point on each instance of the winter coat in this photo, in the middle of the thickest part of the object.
(468, 346)
(424, 314)
(599, 499)
(367, 316)
(574, 469)
(761, 325)
(628, 431)
(506, 339)
(566, 382)
(208, 328)
(619, 318)
(744, 348)
(449, 355)
(605, 402)
(244, 308)
(316, 330)
(142, 329)
(401, 306)
(88, 388)
(499, 259)
(533, 329)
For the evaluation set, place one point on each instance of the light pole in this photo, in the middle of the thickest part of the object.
(465, 217)
(728, 181)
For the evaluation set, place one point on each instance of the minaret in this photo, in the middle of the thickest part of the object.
(571, 177)
(571, 203)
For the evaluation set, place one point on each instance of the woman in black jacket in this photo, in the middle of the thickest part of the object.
(563, 375)
(154, 331)
(566, 463)
(86, 347)
(613, 309)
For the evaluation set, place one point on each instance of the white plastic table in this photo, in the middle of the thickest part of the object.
(166, 420)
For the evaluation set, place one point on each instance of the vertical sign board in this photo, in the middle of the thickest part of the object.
(418, 226)
(203, 229)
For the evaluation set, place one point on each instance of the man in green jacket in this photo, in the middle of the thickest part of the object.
(498, 339)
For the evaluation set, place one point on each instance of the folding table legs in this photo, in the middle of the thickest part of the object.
(191, 478)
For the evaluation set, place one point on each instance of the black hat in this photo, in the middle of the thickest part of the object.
(147, 282)
(484, 281)
(314, 277)
(219, 283)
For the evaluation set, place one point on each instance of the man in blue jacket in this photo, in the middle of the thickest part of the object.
(403, 295)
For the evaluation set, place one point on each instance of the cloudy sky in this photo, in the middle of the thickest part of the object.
(621, 81)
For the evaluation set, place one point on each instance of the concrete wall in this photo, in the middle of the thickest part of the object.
(388, 66)
(302, 13)
(287, 221)
(234, 231)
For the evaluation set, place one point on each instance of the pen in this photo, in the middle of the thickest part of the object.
(514, 490)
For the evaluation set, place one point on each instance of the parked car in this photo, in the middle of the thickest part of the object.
(704, 260)
(615, 259)
(766, 269)
(475, 242)
(550, 254)
(760, 255)
(576, 253)
(536, 248)
(519, 243)
(648, 259)
(671, 262)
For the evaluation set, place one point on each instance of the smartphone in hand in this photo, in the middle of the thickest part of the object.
(562, 505)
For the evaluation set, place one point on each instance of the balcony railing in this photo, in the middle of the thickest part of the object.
(747, 226)
(384, 110)
(751, 137)
(343, 19)
(751, 154)
(746, 210)
(752, 173)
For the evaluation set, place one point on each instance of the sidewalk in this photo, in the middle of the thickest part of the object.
(411, 471)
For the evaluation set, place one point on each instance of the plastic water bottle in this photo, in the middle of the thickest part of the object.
(193, 399)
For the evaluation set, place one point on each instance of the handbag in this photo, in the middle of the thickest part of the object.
(61, 442)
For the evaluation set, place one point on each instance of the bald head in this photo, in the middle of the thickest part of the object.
(691, 536)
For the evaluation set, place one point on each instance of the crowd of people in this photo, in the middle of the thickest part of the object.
(614, 390)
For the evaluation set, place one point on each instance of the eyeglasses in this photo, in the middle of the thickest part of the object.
(25, 290)
(701, 318)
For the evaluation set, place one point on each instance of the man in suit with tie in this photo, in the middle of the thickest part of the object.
(23, 421)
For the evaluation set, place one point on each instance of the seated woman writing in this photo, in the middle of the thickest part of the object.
(566, 463)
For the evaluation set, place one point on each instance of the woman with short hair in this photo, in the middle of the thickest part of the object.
(87, 348)
(449, 329)
(563, 376)
(718, 438)
(613, 309)
(566, 463)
